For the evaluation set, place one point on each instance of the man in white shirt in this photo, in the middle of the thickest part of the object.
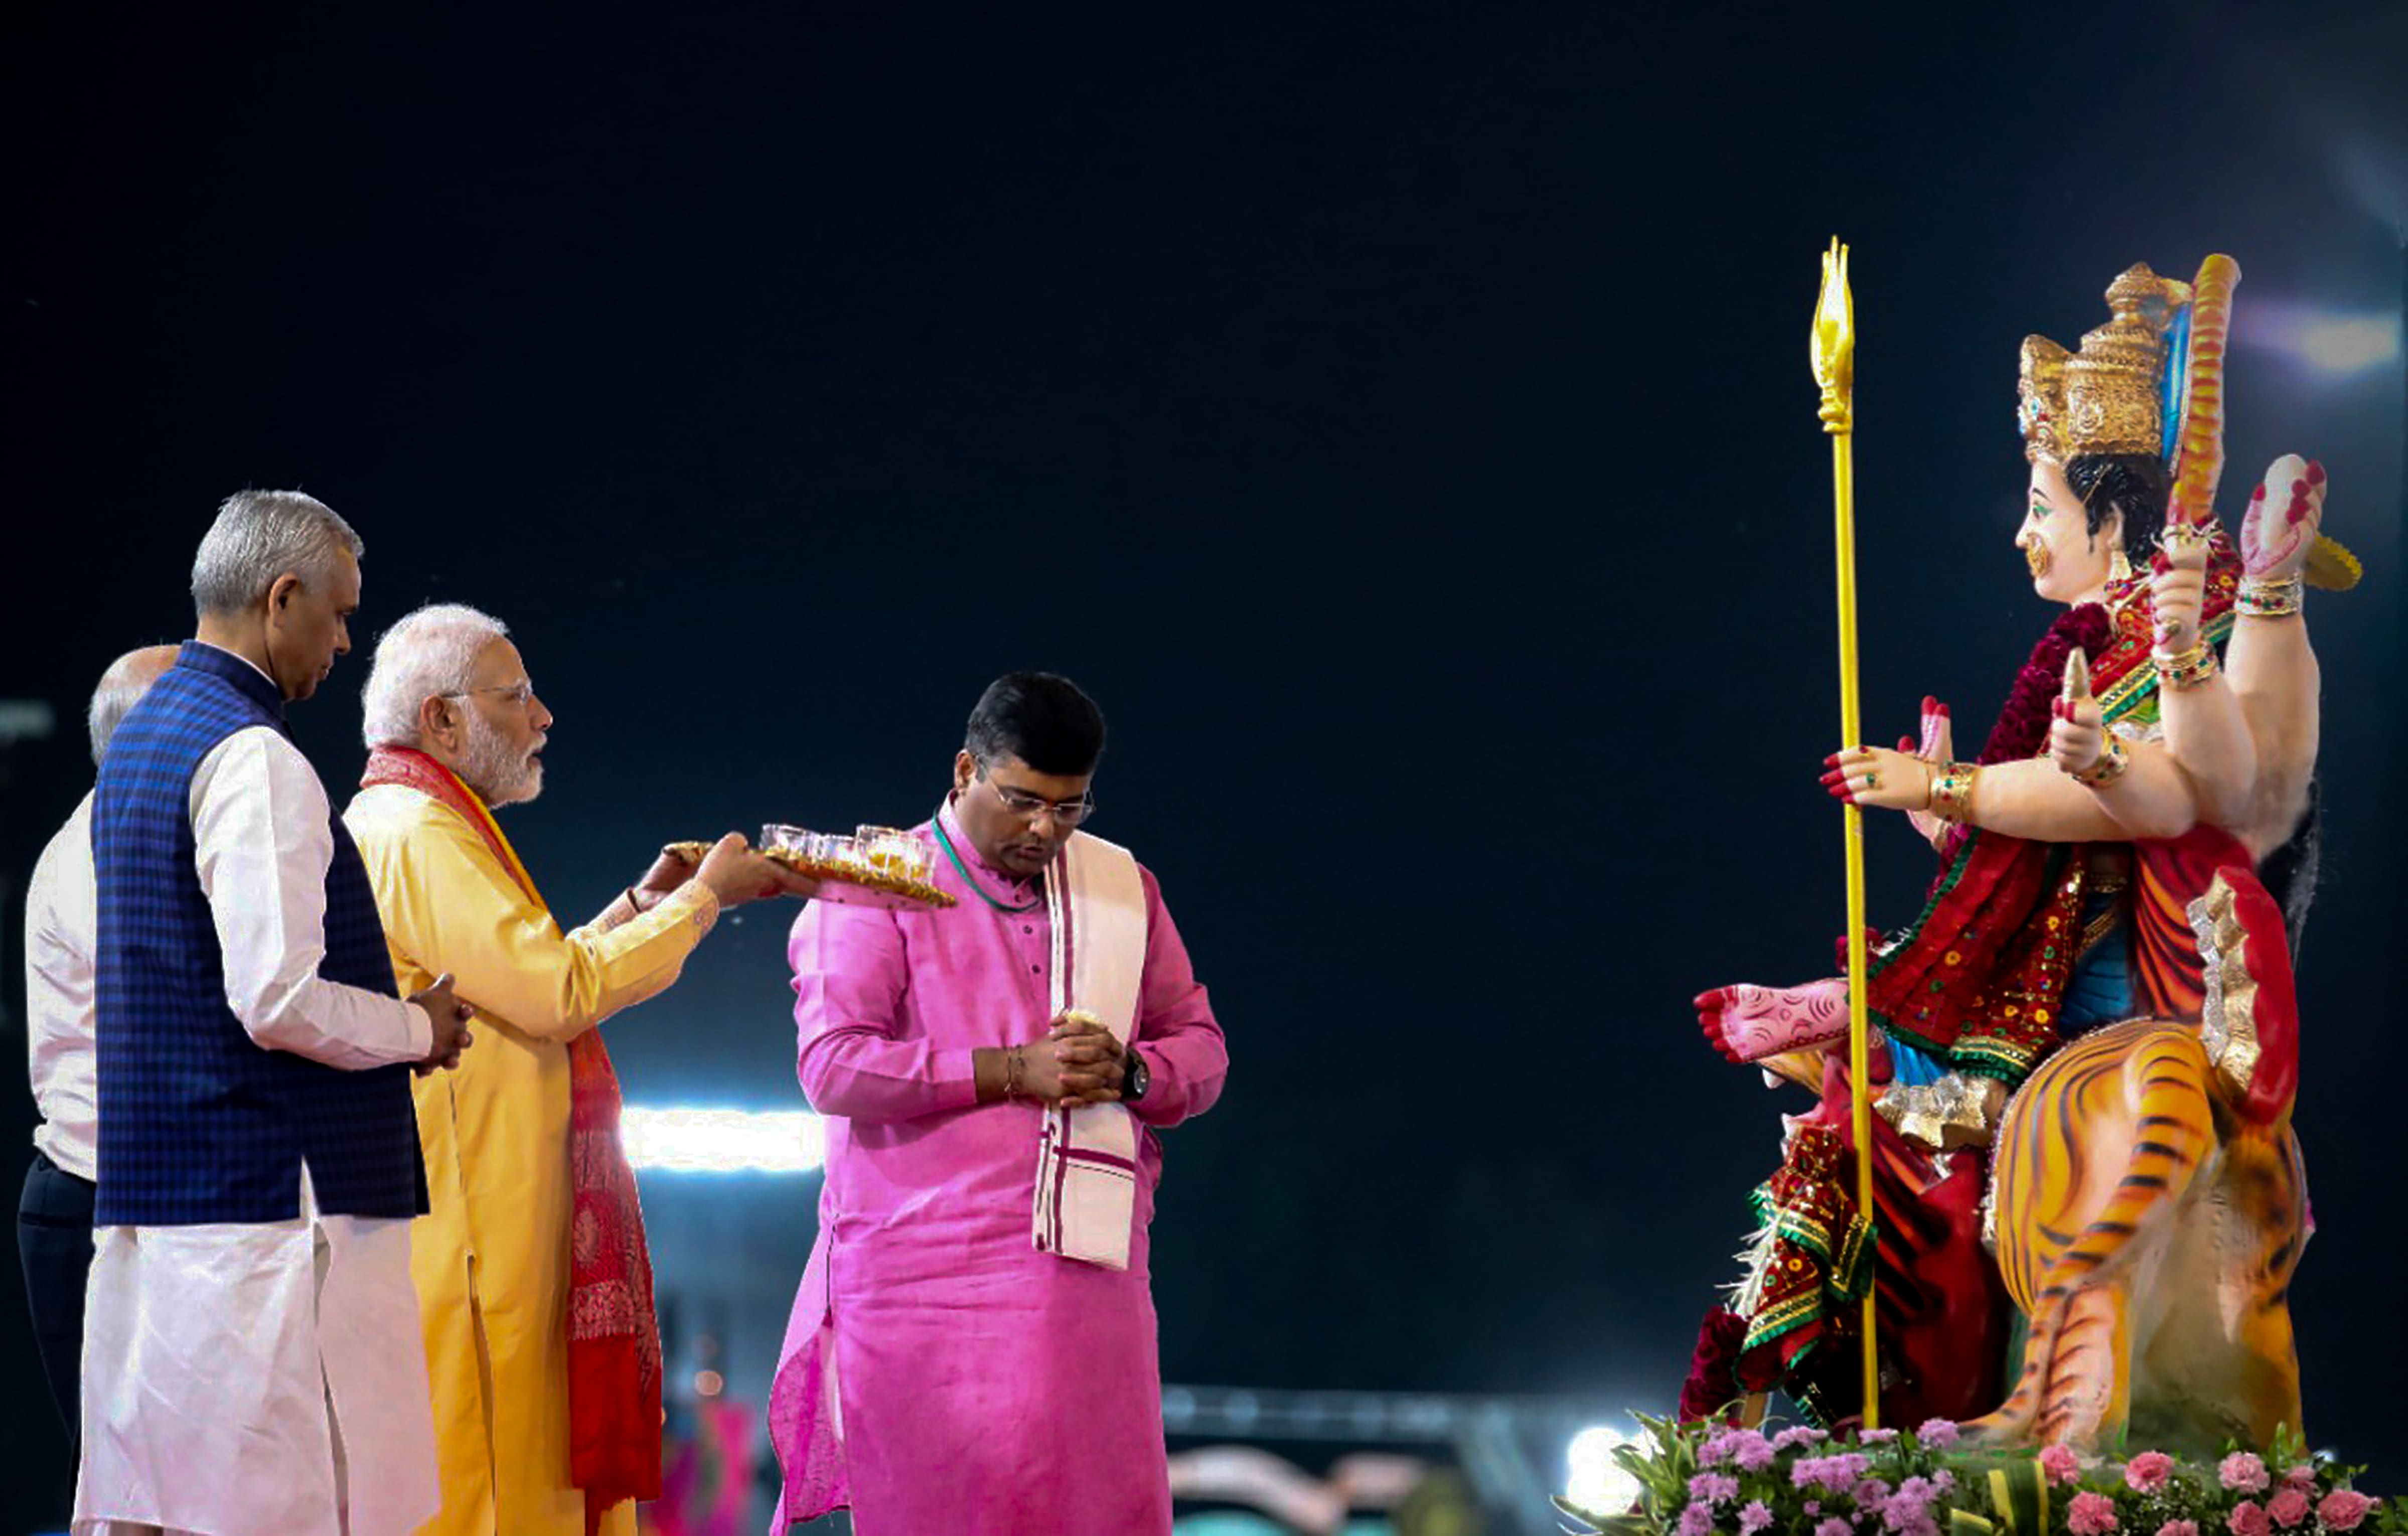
(252, 1360)
(54, 1213)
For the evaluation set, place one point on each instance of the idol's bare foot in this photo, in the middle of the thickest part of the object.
(1749, 1023)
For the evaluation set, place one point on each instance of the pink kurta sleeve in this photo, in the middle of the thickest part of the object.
(1186, 1061)
(855, 1057)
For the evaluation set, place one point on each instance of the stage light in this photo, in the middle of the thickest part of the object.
(708, 1140)
(2332, 344)
(1597, 1482)
(2349, 344)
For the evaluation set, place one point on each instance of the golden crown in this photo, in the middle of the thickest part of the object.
(2108, 397)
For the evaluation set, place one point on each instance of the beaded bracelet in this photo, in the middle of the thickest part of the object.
(2268, 599)
(2188, 669)
(1012, 1073)
(2108, 768)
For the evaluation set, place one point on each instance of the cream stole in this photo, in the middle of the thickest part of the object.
(1086, 1158)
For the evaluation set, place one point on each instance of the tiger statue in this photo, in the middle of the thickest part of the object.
(2147, 1208)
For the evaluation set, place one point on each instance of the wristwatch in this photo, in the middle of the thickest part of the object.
(1134, 1077)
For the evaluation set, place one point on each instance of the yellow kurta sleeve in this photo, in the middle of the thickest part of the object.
(457, 908)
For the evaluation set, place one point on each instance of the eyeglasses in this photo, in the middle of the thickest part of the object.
(511, 693)
(1021, 803)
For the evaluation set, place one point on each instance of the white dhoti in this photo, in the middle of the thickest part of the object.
(244, 1380)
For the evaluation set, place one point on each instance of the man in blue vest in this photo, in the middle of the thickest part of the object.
(252, 1347)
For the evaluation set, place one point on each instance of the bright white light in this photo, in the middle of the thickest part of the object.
(2332, 342)
(2350, 345)
(705, 1141)
(1597, 1482)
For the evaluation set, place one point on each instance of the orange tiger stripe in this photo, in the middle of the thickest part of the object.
(2141, 1087)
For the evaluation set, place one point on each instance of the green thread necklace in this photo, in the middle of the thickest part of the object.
(976, 889)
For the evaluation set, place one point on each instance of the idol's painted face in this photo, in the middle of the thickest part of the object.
(1008, 811)
(308, 626)
(2068, 563)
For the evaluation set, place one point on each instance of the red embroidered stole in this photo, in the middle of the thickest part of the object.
(614, 1338)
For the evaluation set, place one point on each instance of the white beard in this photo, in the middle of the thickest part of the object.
(499, 774)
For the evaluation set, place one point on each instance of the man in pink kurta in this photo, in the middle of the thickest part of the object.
(942, 1374)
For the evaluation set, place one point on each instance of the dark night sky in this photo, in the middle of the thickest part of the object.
(1397, 416)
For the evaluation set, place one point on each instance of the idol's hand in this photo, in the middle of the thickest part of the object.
(2286, 513)
(2178, 591)
(2077, 736)
(1877, 776)
(1936, 745)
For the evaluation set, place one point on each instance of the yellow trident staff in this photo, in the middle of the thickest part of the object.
(1835, 372)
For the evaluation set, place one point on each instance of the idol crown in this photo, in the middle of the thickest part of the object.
(2108, 397)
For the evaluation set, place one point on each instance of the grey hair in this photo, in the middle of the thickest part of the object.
(260, 536)
(429, 654)
(128, 678)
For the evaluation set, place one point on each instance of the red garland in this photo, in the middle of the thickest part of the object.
(2022, 729)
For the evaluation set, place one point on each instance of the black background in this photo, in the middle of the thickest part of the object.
(1397, 416)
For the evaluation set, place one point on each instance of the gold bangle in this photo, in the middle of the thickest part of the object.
(1951, 792)
(1010, 1072)
(2268, 599)
(2188, 669)
(2108, 768)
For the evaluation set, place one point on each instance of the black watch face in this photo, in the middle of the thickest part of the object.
(1138, 1076)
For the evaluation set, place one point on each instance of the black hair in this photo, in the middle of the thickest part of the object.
(2134, 484)
(1042, 719)
(2289, 873)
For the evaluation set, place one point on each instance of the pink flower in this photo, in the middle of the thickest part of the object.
(1938, 1433)
(2343, 1509)
(2062, 1465)
(1713, 1487)
(2148, 1472)
(2246, 1518)
(2288, 1507)
(2302, 1477)
(1752, 1451)
(2179, 1527)
(1698, 1519)
(2243, 1473)
(1756, 1517)
(1834, 1527)
(2090, 1514)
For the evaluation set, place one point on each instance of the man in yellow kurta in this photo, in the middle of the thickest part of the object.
(532, 1279)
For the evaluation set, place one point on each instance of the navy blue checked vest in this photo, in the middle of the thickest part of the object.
(197, 1121)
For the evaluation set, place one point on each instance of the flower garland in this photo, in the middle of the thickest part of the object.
(1706, 1477)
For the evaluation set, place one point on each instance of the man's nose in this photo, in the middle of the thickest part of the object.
(536, 714)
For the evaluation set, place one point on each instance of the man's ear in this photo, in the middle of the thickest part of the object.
(964, 768)
(281, 591)
(435, 718)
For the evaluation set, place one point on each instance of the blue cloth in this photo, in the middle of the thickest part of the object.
(2099, 991)
(197, 1121)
